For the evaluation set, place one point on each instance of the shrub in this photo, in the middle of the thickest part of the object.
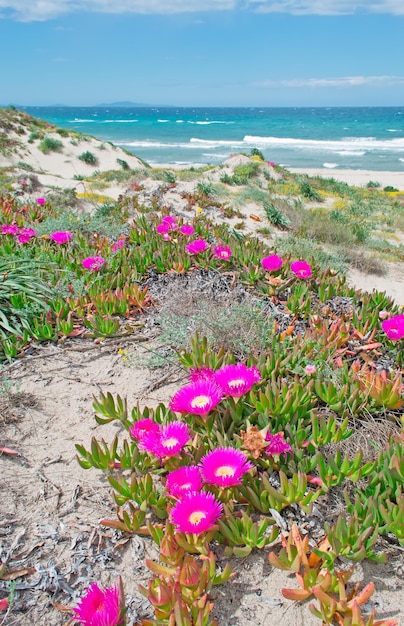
(257, 153)
(50, 145)
(124, 165)
(88, 157)
(62, 132)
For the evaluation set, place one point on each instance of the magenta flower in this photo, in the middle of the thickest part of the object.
(183, 480)
(40, 200)
(140, 428)
(394, 327)
(196, 246)
(198, 397)
(23, 238)
(236, 380)
(171, 221)
(61, 236)
(222, 252)
(118, 245)
(196, 512)
(28, 231)
(224, 467)
(9, 229)
(301, 269)
(272, 263)
(201, 373)
(168, 441)
(99, 607)
(276, 444)
(93, 263)
(187, 230)
(163, 228)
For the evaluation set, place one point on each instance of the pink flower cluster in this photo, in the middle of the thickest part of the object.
(169, 223)
(99, 607)
(197, 511)
(23, 235)
(162, 441)
(208, 387)
(273, 263)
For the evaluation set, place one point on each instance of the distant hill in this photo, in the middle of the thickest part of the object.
(123, 103)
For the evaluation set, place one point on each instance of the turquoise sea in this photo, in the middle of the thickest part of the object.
(370, 138)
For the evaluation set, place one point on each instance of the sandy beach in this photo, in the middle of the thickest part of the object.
(358, 178)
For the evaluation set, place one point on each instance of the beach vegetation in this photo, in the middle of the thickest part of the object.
(63, 132)
(124, 164)
(88, 157)
(49, 144)
(257, 153)
(276, 217)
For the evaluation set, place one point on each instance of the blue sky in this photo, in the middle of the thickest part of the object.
(202, 52)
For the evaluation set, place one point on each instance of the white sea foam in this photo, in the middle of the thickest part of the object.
(206, 123)
(163, 121)
(330, 165)
(402, 160)
(179, 121)
(347, 143)
(79, 119)
(119, 121)
(352, 152)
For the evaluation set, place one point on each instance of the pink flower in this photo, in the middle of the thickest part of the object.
(40, 200)
(166, 237)
(277, 444)
(196, 512)
(61, 236)
(163, 228)
(394, 327)
(118, 245)
(272, 263)
(183, 480)
(23, 238)
(301, 269)
(168, 441)
(310, 369)
(93, 263)
(201, 373)
(198, 397)
(222, 252)
(140, 428)
(224, 467)
(187, 230)
(236, 380)
(9, 229)
(171, 221)
(196, 246)
(28, 231)
(99, 607)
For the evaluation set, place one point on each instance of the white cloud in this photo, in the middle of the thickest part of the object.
(346, 81)
(328, 7)
(40, 10)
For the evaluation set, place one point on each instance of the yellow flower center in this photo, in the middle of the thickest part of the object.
(199, 402)
(196, 517)
(185, 486)
(236, 383)
(225, 470)
(170, 443)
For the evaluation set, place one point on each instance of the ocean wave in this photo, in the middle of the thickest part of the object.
(206, 123)
(330, 166)
(119, 121)
(352, 152)
(346, 143)
(163, 121)
(79, 119)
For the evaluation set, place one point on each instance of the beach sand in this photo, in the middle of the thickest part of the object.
(358, 178)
